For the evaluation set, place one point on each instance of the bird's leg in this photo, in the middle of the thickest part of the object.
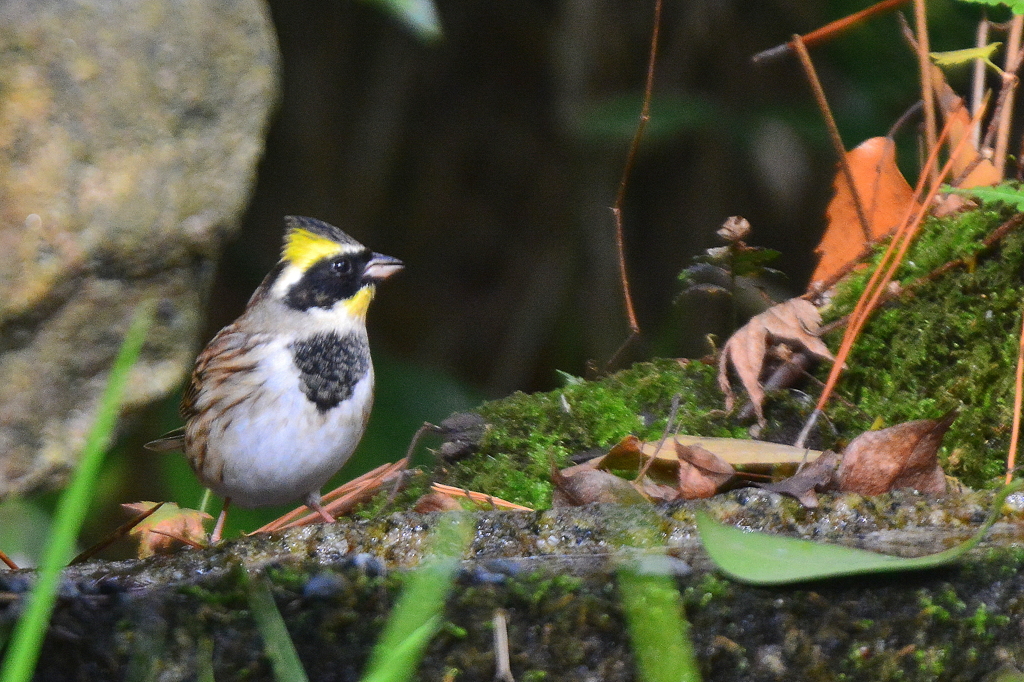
(313, 502)
(218, 528)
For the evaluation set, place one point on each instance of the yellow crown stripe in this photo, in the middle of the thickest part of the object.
(302, 248)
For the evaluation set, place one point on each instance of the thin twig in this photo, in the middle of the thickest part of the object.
(1010, 81)
(925, 65)
(620, 197)
(829, 30)
(833, 132)
(502, 663)
(1018, 390)
(115, 535)
(978, 79)
(913, 110)
(664, 436)
(7, 560)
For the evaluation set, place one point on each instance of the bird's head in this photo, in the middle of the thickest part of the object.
(321, 266)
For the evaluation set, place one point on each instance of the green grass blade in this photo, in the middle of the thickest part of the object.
(29, 632)
(762, 559)
(657, 627)
(417, 615)
(277, 643)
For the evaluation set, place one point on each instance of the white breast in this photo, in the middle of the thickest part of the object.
(279, 447)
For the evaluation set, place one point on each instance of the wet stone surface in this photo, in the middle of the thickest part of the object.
(553, 572)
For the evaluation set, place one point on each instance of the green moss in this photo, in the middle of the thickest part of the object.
(527, 432)
(709, 588)
(949, 344)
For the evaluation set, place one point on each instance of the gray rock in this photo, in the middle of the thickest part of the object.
(129, 137)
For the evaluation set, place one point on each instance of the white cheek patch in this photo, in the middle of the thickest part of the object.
(288, 277)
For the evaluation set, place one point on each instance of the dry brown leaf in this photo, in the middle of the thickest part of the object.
(584, 484)
(161, 532)
(969, 168)
(901, 456)
(701, 473)
(658, 492)
(436, 502)
(796, 322)
(813, 478)
(885, 196)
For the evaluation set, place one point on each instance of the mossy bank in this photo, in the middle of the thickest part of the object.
(948, 341)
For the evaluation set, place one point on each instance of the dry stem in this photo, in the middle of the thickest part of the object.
(833, 131)
(620, 242)
(1011, 457)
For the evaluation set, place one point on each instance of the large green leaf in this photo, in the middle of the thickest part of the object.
(762, 559)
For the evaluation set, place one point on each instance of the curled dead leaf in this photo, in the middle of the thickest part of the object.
(436, 502)
(816, 477)
(796, 322)
(901, 456)
(701, 473)
(585, 484)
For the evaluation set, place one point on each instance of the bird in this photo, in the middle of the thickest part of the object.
(279, 399)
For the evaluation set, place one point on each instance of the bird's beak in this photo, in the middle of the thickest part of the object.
(380, 267)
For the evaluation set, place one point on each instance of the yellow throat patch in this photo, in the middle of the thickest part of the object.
(357, 305)
(302, 248)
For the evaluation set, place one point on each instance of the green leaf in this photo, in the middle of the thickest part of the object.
(416, 616)
(960, 57)
(761, 559)
(1000, 194)
(658, 629)
(27, 639)
(277, 643)
(1016, 6)
(750, 262)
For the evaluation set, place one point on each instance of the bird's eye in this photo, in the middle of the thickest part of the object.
(342, 266)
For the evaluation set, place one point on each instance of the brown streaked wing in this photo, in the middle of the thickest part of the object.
(223, 356)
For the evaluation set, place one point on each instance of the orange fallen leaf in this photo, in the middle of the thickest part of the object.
(970, 168)
(901, 456)
(885, 196)
(630, 454)
(169, 527)
(796, 322)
